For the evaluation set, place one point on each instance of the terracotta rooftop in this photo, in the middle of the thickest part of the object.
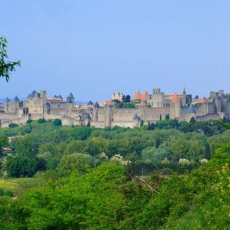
(137, 95)
(202, 100)
(143, 103)
(144, 95)
(175, 98)
(109, 102)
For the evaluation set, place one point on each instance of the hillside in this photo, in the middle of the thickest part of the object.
(76, 177)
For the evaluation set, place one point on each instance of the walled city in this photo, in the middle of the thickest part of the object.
(148, 108)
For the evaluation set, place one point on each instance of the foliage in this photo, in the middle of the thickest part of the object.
(76, 161)
(20, 166)
(41, 120)
(57, 122)
(102, 198)
(187, 167)
(12, 125)
(227, 95)
(24, 146)
(156, 155)
(6, 67)
(126, 98)
(9, 193)
(29, 121)
(128, 105)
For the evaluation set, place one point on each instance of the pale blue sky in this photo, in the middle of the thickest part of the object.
(93, 48)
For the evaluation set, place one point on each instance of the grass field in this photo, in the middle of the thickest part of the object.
(18, 185)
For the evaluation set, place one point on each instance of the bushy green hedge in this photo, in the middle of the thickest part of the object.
(57, 122)
(41, 120)
(12, 125)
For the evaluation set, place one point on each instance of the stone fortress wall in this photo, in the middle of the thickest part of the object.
(149, 108)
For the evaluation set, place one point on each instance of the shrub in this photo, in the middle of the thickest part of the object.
(12, 125)
(41, 120)
(9, 193)
(57, 122)
(25, 130)
(1, 192)
(28, 121)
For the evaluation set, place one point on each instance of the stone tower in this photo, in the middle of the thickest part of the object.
(16, 104)
(43, 96)
(184, 97)
(7, 105)
(157, 98)
(175, 107)
(109, 110)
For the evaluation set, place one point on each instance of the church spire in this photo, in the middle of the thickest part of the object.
(184, 91)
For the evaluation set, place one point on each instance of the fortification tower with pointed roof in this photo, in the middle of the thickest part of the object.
(175, 107)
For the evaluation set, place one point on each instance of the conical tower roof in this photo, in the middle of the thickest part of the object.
(33, 93)
(144, 96)
(71, 95)
(175, 98)
(90, 103)
(16, 98)
(137, 95)
(143, 104)
(96, 105)
(202, 100)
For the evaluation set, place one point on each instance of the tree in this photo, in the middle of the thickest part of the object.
(128, 105)
(156, 155)
(24, 146)
(5, 67)
(20, 166)
(167, 117)
(12, 125)
(126, 98)
(76, 161)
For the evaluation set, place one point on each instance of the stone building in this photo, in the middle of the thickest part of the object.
(150, 108)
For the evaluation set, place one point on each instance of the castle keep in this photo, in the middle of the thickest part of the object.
(149, 108)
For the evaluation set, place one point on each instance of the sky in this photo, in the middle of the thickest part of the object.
(96, 47)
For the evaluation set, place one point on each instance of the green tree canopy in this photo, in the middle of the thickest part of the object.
(20, 166)
(76, 161)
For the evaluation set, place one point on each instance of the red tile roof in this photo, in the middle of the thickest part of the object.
(175, 98)
(137, 96)
(109, 102)
(202, 100)
(143, 104)
(144, 95)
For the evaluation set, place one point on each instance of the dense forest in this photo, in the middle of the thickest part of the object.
(164, 175)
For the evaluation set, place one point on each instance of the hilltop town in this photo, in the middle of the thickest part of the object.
(146, 107)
